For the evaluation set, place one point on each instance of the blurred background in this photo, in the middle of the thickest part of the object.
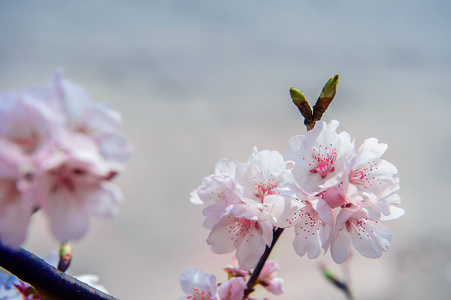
(197, 81)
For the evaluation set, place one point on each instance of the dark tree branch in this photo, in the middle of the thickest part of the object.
(48, 281)
(254, 278)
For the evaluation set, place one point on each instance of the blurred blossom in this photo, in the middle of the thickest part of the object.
(16, 202)
(89, 118)
(232, 289)
(198, 285)
(235, 271)
(11, 288)
(59, 152)
(268, 278)
(7, 286)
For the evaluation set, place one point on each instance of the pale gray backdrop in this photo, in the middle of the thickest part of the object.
(197, 81)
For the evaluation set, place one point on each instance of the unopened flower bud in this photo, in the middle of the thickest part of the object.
(301, 103)
(330, 88)
(297, 95)
(65, 256)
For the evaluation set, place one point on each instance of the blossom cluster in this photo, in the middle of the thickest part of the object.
(202, 286)
(59, 152)
(330, 193)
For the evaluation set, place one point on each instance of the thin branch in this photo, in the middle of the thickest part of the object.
(47, 280)
(254, 278)
(341, 285)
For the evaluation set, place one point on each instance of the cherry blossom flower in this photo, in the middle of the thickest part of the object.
(91, 118)
(245, 229)
(370, 173)
(236, 195)
(8, 285)
(264, 171)
(27, 121)
(16, 203)
(232, 289)
(312, 221)
(369, 237)
(198, 285)
(320, 157)
(59, 152)
(213, 189)
(77, 183)
(336, 196)
(213, 186)
(80, 114)
(268, 278)
(236, 271)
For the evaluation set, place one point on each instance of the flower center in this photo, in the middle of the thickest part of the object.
(199, 295)
(362, 175)
(63, 177)
(323, 160)
(264, 189)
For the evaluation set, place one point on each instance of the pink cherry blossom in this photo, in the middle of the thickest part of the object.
(235, 195)
(16, 203)
(76, 179)
(27, 120)
(312, 221)
(232, 289)
(59, 152)
(235, 271)
(213, 189)
(320, 157)
(93, 119)
(245, 229)
(264, 171)
(268, 278)
(213, 186)
(11, 288)
(338, 199)
(369, 237)
(370, 173)
(198, 285)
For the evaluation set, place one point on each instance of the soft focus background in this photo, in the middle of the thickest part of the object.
(197, 81)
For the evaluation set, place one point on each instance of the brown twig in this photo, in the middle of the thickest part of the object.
(254, 278)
